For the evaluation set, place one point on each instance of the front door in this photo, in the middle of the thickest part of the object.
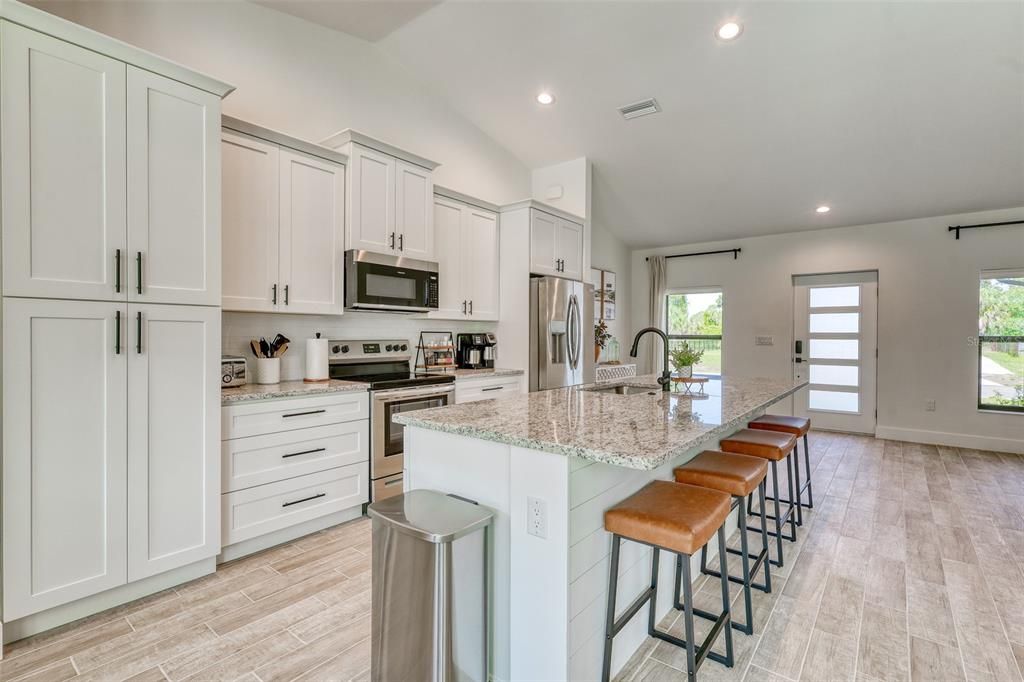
(835, 349)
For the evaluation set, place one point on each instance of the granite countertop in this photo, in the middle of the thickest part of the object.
(493, 372)
(286, 389)
(640, 431)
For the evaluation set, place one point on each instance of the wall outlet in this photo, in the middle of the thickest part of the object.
(764, 341)
(929, 406)
(536, 517)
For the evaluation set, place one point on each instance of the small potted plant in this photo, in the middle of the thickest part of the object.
(683, 359)
(601, 337)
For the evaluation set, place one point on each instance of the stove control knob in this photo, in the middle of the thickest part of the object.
(335, 349)
(389, 348)
(405, 347)
(344, 349)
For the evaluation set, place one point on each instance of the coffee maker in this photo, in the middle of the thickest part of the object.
(476, 351)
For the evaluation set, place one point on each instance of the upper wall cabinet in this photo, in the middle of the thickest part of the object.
(284, 212)
(556, 245)
(390, 195)
(467, 252)
(110, 178)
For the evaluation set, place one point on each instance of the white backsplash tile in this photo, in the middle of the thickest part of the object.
(239, 328)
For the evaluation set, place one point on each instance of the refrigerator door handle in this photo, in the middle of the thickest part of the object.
(575, 333)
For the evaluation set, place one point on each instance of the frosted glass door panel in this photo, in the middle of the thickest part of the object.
(835, 349)
(836, 375)
(834, 401)
(834, 297)
(835, 323)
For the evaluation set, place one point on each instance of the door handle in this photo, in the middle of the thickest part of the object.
(491, 388)
(138, 272)
(302, 414)
(286, 293)
(304, 499)
(138, 332)
(798, 360)
(401, 242)
(117, 332)
(117, 270)
(471, 307)
(274, 294)
(392, 244)
(464, 307)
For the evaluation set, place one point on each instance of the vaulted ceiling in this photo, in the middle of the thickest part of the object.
(882, 110)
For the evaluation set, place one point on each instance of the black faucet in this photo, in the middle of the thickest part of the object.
(665, 380)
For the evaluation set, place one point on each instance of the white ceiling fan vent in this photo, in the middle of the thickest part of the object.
(641, 108)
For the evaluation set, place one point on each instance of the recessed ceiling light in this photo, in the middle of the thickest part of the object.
(730, 30)
(546, 98)
(823, 209)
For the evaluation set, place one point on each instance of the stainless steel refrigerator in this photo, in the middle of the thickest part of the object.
(561, 333)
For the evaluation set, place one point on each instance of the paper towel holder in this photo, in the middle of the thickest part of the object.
(317, 369)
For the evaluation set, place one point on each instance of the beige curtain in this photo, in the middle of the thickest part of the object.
(655, 312)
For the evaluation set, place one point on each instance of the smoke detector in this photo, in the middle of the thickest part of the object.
(641, 108)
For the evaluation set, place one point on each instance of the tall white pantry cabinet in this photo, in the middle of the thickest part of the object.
(110, 185)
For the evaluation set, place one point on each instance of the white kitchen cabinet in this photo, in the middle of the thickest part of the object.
(472, 389)
(173, 437)
(249, 196)
(312, 234)
(371, 200)
(284, 213)
(467, 243)
(62, 131)
(64, 451)
(414, 212)
(174, 174)
(556, 245)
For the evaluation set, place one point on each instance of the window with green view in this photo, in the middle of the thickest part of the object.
(1001, 342)
(695, 318)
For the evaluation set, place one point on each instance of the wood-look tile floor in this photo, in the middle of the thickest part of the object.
(911, 566)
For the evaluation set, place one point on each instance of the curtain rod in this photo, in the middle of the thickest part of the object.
(957, 228)
(735, 253)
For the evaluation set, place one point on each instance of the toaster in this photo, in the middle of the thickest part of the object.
(232, 370)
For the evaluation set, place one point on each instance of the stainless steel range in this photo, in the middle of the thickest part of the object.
(394, 389)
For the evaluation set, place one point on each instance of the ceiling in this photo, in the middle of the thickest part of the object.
(367, 19)
(882, 110)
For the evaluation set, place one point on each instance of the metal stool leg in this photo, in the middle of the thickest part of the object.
(609, 623)
(726, 610)
(778, 519)
(795, 455)
(807, 459)
(792, 496)
(691, 652)
(747, 626)
(764, 540)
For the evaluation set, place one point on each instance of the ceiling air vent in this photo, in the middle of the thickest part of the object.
(641, 108)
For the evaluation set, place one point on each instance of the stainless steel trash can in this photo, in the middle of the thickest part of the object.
(430, 589)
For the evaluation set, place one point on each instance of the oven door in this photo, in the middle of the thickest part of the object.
(387, 442)
(375, 281)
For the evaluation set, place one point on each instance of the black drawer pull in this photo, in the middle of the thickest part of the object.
(302, 414)
(304, 499)
(304, 452)
(492, 388)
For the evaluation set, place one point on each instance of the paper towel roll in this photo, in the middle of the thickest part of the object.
(316, 360)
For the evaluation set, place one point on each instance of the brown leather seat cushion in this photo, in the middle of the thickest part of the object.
(676, 516)
(798, 426)
(759, 443)
(738, 475)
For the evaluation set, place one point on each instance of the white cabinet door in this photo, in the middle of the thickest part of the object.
(62, 131)
(542, 243)
(371, 187)
(249, 195)
(414, 211)
(312, 235)
(480, 244)
(174, 183)
(452, 300)
(173, 437)
(569, 249)
(64, 465)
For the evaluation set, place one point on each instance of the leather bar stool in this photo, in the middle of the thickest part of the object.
(798, 426)
(740, 476)
(678, 518)
(773, 446)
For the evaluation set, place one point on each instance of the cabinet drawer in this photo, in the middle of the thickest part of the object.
(275, 416)
(265, 508)
(274, 457)
(467, 391)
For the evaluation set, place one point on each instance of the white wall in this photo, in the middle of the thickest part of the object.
(572, 178)
(927, 313)
(608, 252)
(309, 81)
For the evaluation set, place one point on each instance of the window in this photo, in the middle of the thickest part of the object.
(1001, 342)
(694, 317)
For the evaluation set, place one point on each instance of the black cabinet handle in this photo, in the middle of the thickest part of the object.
(117, 332)
(492, 388)
(401, 242)
(304, 452)
(138, 272)
(286, 293)
(471, 307)
(117, 270)
(274, 295)
(464, 307)
(392, 244)
(304, 499)
(302, 414)
(138, 332)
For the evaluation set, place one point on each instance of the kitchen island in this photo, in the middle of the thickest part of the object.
(549, 464)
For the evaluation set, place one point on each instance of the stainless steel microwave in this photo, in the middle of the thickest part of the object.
(375, 281)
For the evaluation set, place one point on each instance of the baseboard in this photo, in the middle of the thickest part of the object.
(278, 537)
(956, 440)
(66, 613)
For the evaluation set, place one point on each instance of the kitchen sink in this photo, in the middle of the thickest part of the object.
(625, 390)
